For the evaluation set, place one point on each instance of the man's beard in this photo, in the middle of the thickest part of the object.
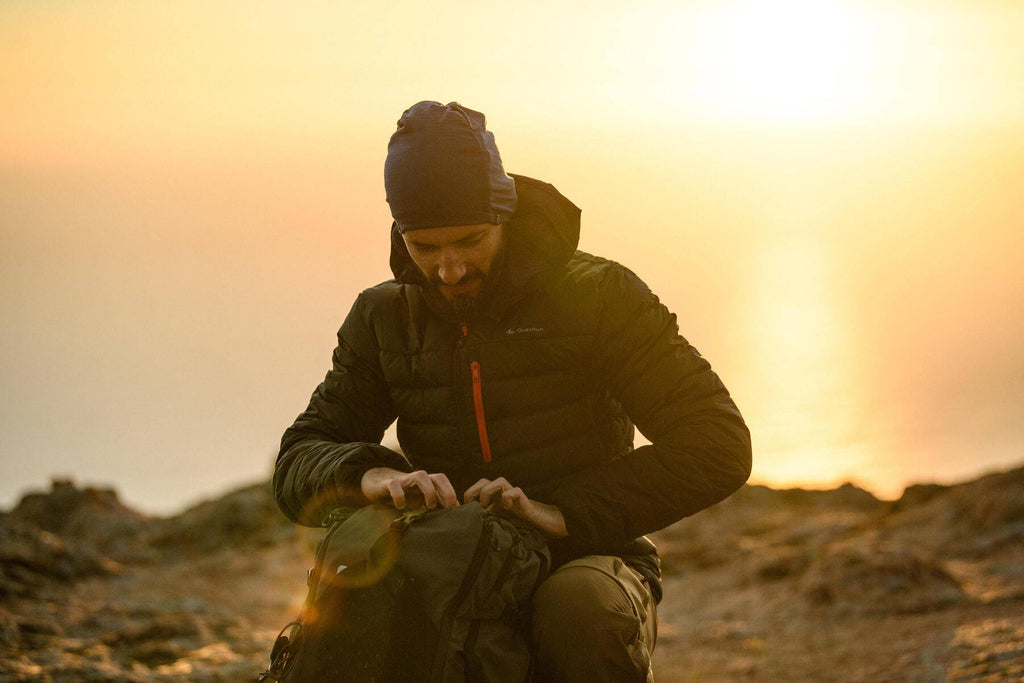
(461, 305)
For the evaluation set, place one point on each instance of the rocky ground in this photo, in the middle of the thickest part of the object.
(770, 585)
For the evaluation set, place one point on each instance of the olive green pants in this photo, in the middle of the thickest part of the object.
(594, 620)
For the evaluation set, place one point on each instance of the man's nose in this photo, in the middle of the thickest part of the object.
(451, 269)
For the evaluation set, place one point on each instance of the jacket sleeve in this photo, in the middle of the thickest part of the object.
(337, 438)
(700, 448)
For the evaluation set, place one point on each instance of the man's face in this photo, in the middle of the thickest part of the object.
(456, 259)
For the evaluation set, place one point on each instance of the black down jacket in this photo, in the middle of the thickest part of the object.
(541, 385)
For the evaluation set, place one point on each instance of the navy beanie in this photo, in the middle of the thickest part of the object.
(443, 168)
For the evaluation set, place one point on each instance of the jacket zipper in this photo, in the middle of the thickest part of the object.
(478, 403)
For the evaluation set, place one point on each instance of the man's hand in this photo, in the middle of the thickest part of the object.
(408, 489)
(501, 498)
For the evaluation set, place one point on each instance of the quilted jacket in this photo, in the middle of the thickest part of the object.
(565, 352)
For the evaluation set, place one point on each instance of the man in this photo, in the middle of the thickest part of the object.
(516, 367)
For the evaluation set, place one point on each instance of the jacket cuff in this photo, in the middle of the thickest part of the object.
(589, 531)
(349, 475)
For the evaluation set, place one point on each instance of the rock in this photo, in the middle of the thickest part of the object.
(864, 578)
(918, 494)
(157, 653)
(10, 632)
(91, 516)
(163, 627)
(39, 626)
(782, 564)
(31, 558)
(992, 651)
(846, 497)
(756, 520)
(247, 518)
(768, 585)
(968, 520)
(96, 529)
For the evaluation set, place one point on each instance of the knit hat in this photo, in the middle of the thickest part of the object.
(443, 168)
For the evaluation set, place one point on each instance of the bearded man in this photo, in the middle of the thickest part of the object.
(516, 367)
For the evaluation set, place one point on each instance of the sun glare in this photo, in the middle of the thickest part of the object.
(784, 60)
(807, 431)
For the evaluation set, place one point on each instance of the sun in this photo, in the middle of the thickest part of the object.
(792, 60)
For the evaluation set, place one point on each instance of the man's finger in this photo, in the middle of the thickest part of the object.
(421, 482)
(513, 498)
(445, 492)
(397, 493)
(473, 492)
(492, 491)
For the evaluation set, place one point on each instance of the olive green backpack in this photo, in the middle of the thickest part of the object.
(438, 596)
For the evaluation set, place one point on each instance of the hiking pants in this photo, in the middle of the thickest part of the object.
(594, 620)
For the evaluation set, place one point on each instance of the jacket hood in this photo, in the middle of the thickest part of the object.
(540, 239)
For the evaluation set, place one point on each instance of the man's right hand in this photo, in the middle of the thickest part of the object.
(408, 489)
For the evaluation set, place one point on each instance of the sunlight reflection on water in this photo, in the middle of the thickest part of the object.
(802, 367)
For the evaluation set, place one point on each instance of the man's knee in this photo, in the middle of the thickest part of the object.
(593, 614)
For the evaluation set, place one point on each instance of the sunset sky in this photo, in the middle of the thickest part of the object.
(828, 194)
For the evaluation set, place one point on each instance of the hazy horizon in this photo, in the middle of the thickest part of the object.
(831, 208)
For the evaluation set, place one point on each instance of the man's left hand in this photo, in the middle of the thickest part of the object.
(500, 498)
